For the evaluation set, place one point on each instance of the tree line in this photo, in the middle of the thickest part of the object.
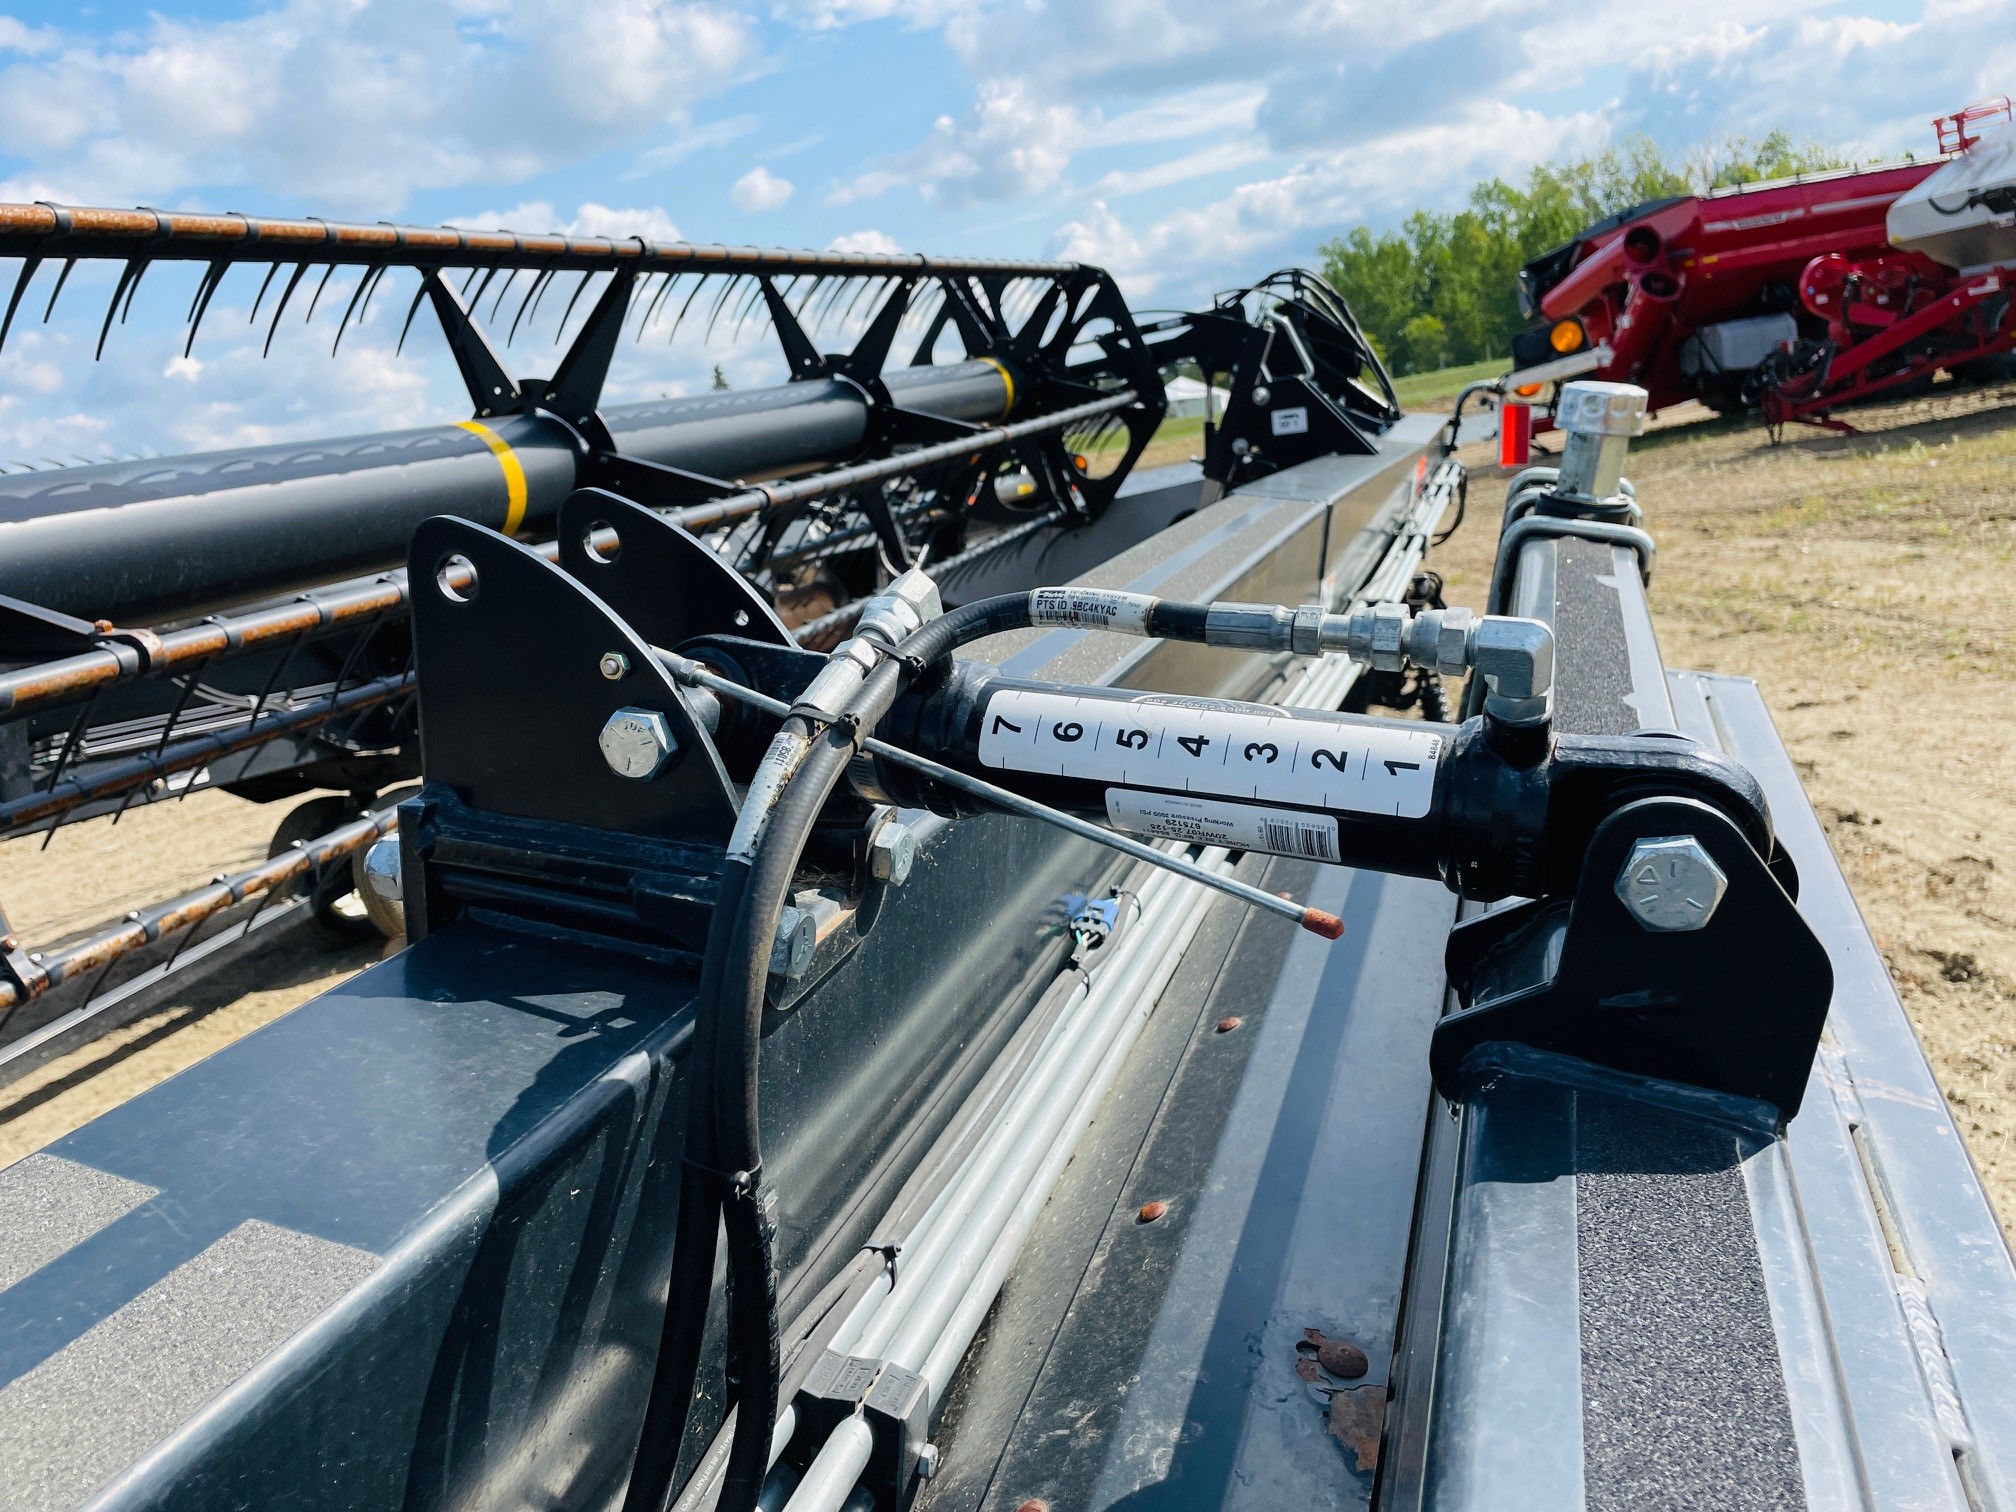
(1441, 290)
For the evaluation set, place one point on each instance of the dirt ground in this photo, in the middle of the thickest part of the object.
(1865, 582)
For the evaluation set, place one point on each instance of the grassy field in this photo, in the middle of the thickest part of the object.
(1435, 391)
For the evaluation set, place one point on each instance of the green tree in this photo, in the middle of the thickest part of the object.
(1459, 269)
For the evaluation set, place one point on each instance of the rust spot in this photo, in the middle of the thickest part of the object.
(1342, 1358)
(1034, 1504)
(1227, 1025)
(1306, 1369)
(1357, 1419)
(1150, 1211)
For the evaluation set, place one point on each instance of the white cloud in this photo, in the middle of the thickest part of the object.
(589, 219)
(760, 189)
(351, 105)
(864, 241)
(1010, 144)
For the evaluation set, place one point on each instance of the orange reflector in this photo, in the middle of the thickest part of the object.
(1566, 336)
(1078, 461)
(1527, 390)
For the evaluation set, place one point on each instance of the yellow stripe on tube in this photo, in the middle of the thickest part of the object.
(514, 474)
(1007, 382)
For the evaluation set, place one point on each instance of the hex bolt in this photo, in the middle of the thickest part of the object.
(1671, 884)
(927, 1461)
(615, 665)
(791, 950)
(1261, 396)
(892, 852)
(380, 886)
(637, 743)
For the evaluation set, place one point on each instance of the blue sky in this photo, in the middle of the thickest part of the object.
(1187, 145)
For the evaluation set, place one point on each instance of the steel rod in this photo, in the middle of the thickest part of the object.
(147, 926)
(1315, 920)
(79, 231)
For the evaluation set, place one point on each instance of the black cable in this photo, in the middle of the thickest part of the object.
(722, 1180)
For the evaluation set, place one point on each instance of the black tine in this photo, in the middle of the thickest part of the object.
(465, 285)
(356, 294)
(300, 270)
(412, 310)
(327, 274)
(260, 298)
(835, 288)
(61, 279)
(691, 295)
(748, 308)
(848, 313)
(377, 279)
(28, 267)
(488, 274)
(524, 304)
(651, 311)
(213, 277)
(134, 288)
(125, 281)
(539, 295)
(733, 280)
(572, 299)
(510, 278)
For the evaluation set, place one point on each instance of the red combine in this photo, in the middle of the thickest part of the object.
(1796, 296)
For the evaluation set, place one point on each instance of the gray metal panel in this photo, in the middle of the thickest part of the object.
(1888, 1195)
(1161, 1369)
(1508, 1407)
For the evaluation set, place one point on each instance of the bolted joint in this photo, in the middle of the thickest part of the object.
(1671, 884)
(381, 885)
(902, 608)
(1305, 632)
(791, 949)
(892, 851)
(615, 665)
(637, 743)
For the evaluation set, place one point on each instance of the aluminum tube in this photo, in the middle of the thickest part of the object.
(939, 1293)
(869, 1329)
(956, 1334)
(1133, 990)
(1123, 1009)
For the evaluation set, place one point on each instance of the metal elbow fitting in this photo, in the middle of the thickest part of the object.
(901, 609)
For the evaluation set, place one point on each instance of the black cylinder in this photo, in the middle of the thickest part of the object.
(172, 538)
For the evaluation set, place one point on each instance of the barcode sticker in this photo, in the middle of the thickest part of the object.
(1091, 609)
(1227, 750)
(1236, 826)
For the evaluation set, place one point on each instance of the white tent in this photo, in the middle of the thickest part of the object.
(1189, 397)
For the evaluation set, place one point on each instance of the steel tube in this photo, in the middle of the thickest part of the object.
(135, 542)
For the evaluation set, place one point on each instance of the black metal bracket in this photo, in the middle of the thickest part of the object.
(492, 389)
(1735, 1005)
(660, 581)
(896, 1402)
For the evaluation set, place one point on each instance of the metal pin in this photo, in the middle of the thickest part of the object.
(1315, 920)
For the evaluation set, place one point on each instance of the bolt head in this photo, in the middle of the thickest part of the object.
(1261, 396)
(892, 852)
(615, 665)
(927, 1461)
(797, 937)
(637, 743)
(1671, 884)
(381, 887)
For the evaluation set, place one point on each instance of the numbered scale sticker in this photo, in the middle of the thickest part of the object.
(1225, 751)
